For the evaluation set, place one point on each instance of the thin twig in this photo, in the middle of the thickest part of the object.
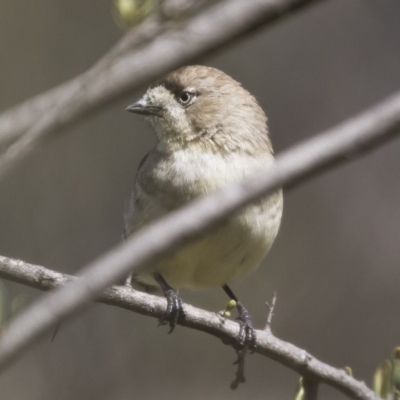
(239, 376)
(352, 137)
(271, 309)
(211, 29)
(146, 304)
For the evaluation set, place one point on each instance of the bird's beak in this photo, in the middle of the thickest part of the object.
(143, 107)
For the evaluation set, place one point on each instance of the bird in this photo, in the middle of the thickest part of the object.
(210, 133)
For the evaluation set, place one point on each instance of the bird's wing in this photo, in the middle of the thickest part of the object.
(142, 207)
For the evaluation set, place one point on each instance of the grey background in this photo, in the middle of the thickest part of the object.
(335, 264)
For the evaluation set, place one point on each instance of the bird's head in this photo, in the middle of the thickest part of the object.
(204, 106)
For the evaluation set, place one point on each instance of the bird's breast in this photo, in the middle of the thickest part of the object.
(191, 173)
(235, 247)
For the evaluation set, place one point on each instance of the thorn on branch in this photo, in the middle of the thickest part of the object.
(240, 378)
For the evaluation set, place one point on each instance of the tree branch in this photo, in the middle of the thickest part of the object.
(211, 29)
(15, 121)
(271, 309)
(339, 144)
(268, 345)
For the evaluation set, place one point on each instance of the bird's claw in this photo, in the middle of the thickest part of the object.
(247, 334)
(246, 343)
(175, 312)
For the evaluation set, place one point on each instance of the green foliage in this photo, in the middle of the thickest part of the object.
(129, 13)
(230, 306)
(348, 371)
(299, 393)
(386, 381)
(301, 388)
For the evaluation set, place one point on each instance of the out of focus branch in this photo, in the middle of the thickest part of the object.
(267, 344)
(186, 41)
(18, 119)
(344, 142)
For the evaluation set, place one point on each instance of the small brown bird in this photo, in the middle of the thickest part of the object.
(211, 132)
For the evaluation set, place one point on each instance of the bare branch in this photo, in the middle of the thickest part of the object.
(268, 345)
(17, 120)
(213, 28)
(339, 144)
(271, 308)
(239, 376)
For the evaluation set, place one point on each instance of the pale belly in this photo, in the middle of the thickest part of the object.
(227, 253)
(230, 251)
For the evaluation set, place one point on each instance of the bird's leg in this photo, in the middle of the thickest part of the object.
(175, 311)
(247, 335)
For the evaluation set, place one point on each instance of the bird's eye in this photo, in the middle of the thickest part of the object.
(185, 97)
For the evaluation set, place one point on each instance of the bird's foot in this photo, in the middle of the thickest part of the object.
(175, 312)
(247, 343)
(247, 334)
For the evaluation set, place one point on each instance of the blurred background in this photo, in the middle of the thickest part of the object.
(334, 266)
